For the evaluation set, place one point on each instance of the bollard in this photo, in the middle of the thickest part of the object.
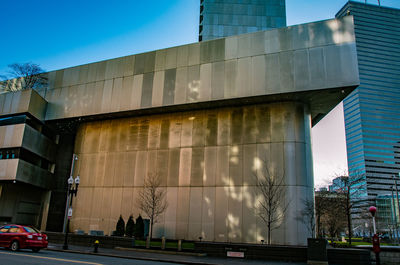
(179, 245)
(133, 242)
(96, 246)
(163, 242)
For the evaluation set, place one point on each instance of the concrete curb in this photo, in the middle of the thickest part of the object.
(130, 257)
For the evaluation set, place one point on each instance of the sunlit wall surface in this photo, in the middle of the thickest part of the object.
(208, 162)
(222, 18)
(372, 112)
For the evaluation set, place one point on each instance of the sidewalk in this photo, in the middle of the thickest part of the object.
(160, 256)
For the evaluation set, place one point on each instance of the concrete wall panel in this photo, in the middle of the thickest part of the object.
(210, 166)
(181, 85)
(171, 214)
(185, 166)
(208, 213)
(235, 214)
(230, 78)
(195, 212)
(187, 129)
(175, 130)
(182, 214)
(158, 86)
(221, 214)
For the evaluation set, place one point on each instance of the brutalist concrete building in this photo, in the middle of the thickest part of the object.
(205, 117)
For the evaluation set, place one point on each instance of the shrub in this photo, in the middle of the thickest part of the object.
(120, 229)
(139, 227)
(130, 227)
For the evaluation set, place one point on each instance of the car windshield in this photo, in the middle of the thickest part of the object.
(4, 229)
(31, 229)
(13, 229)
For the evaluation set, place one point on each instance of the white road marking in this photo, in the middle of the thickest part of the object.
(38, 257)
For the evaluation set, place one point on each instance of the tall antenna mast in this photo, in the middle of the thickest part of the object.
(379, 2)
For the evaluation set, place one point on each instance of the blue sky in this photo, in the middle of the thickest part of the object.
(59, 34)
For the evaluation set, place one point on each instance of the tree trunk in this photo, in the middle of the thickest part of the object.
(349, 225)
(348, 212)
(151, 228)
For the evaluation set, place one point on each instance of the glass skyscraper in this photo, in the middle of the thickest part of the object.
(223, 18)
(372, 111)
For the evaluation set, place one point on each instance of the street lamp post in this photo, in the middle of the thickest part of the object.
(394, 214)
(74, 159)
(375, 239)
(71, 192)
(372, 210)
(398, 205)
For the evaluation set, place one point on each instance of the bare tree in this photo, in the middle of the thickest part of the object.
(353, 190)
(334, 221)
(271, 207)
(320, 209)
(23, 76)
(152, 200)
(307, 216)
(334, 218)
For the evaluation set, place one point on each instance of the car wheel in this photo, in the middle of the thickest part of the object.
(14, 246)
(36, 249)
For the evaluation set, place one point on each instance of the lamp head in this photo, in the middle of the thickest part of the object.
(77, 180)
(372, 210)
(70, 180)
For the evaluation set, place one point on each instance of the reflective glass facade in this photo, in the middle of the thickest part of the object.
(372, 112)
(223, 18)
(388, 216)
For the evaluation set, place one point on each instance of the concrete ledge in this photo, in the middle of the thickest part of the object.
(130, 257)
(88, 240)
(162, 252)
(284, 253)
(390, 255)
(348, 256)
(254, 251)
(109, 242)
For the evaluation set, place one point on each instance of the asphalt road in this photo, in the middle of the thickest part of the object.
(27, 257)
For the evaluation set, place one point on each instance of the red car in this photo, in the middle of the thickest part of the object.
(21, 236)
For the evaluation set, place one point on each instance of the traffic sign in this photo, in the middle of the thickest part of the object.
(69, 212)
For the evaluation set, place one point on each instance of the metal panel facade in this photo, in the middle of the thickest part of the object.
(202, 173)
(258, 64)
